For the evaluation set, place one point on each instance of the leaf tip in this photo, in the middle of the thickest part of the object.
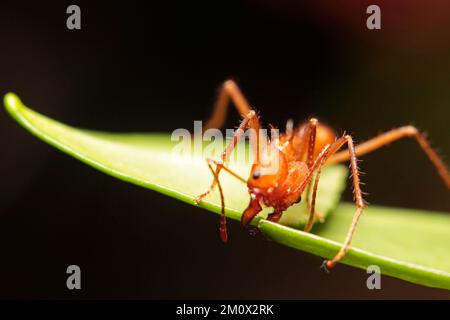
(11, 101)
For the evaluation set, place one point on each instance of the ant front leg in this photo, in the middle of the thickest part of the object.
(252, 211)
(394, 135)
(250, 120)
(230, 90)
(275, 216)
(223, 222)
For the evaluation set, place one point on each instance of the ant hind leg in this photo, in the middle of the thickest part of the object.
(228, 90)
(394, 135)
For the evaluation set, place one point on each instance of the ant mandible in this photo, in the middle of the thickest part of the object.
(301, 153)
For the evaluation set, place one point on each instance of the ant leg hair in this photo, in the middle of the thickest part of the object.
(308, 148)
(391, 136)
(328, 151)
(312, 211)
(311, 133)
(310, 205)
(311, 142)
(223, 219)
(250, 120)
(360, 203)
(229, 89)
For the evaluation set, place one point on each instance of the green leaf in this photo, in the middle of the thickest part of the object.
(408, 244)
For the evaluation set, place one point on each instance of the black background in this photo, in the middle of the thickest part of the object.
(156, 67)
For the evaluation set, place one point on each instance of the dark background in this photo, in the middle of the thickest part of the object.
(156, 68)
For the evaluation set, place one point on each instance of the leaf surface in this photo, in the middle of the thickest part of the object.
(412, 245)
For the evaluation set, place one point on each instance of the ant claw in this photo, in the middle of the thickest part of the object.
(200, 197)
(326, 265)
(253, 231)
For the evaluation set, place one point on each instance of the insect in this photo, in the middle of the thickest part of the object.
(287, 167)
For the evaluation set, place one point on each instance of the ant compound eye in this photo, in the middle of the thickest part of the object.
(256, 174)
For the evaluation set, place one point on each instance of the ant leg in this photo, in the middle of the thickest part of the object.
(311, 142)
(223, 219)
(360, 203)
(310, 204)
(311, 131)
(250, 120)
(220, 164)
(223, 224)
(391, 136)
(275, 216)
(312, 211)
(306, 150)
(328, 151)
(229, 89)
(247, 216)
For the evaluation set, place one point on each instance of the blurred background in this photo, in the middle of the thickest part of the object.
(156, 67)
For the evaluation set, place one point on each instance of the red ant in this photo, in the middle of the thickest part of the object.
(301, 152)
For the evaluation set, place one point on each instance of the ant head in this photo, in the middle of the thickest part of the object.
(269, 171)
